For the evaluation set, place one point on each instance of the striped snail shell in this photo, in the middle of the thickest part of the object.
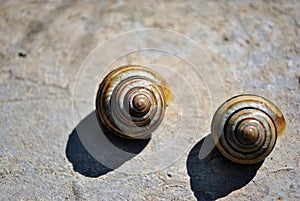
(131, 101)
(245, 128)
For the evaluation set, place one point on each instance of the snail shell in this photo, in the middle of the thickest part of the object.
(245, 128)
(131, 101)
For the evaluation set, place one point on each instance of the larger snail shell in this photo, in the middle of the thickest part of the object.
(131, 101)
(245, 128)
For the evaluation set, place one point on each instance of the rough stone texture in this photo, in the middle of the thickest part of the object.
(255, 47)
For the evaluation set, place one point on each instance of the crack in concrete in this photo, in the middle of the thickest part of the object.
(42, 82)
(19, 100)
(39, 82)
(281, 169)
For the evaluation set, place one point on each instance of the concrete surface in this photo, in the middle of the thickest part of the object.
(254, 46)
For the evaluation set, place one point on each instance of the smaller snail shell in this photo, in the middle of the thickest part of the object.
(131, 101)
(245, 128)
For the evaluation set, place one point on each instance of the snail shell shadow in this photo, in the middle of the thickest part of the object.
(215, 176)
(111, 149)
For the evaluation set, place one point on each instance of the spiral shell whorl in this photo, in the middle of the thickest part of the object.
(245, 128)
(131, 101)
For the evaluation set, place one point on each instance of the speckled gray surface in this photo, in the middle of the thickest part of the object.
(255, 47)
